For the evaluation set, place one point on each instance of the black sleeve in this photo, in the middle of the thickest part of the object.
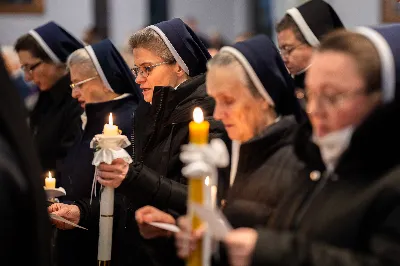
(285, 248)
(9, 231)
(146, 187)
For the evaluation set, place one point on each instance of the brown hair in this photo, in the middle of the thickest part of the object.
(361, 49)
(28, 43)
(286, 23)
(149, 39)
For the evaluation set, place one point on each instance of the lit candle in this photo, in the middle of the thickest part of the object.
(50, 182)
(110, 129)
(198, 129)
(198, 134)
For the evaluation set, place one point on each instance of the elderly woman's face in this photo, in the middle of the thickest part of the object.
(153, 71)
(242, 114)
(336, 96)
(91, 91)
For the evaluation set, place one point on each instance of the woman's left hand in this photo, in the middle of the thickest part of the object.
(112, 175)
(240, 244)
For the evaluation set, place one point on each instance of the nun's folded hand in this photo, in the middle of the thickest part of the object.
(186, 240)
(240, 244)
(112, 175)
(66, 211)
(149, 214)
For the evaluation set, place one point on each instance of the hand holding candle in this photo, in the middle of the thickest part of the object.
(50, 182)
(110, 129)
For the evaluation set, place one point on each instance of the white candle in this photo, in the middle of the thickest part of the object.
(214, 196)
(50, 182)
(110, 129)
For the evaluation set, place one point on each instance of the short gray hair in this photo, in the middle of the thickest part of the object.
(149, 39)
(226, 59)
(82, 59)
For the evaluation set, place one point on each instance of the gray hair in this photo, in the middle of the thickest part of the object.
(82, 59)
(226, 59)
(149, 39)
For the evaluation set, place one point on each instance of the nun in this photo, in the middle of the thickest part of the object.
(255, 100)
(170, 65)
(103, 84)
(24, 223)
(55, 119)
(345, 210)
(299, 33)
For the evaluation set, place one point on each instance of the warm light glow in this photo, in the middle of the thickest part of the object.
(207, 181)
(110, 119)
(50, 176)
(198, 115)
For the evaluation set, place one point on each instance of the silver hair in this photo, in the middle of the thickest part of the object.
(149, 39)
(226, 59)
(82, 59)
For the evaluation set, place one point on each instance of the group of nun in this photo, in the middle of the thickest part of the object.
(314, 173)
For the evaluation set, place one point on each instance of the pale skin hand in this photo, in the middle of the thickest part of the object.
(150, 214)
(69, 212)
(240, 244)
(185, 237)
(112, 175)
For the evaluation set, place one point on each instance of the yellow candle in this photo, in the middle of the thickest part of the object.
(198, 129)
(110, 129)
(50, 182)
(198, 134)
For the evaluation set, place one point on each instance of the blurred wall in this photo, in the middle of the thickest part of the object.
(229, 17)
(74, 15)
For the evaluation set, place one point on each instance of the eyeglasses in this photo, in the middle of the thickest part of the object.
(145, 71)
(332, 101)
(287, 50)
(30, 68)
(78, 85)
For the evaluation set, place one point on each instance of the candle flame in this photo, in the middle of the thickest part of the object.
(50, 176)
(110, 120)
(207, 181)
(198, 116)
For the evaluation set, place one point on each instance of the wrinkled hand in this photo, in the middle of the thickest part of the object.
(112, 175)
(150, 214)
(66, 211)
(240, 244)
(186, 241)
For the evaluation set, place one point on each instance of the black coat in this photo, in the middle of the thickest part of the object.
(55, 123)
(79, 247)
(266, 169)
(155, 178)
(350, 217)
(24, 222)
(160, 131)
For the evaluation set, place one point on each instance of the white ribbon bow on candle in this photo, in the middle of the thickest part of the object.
(111, 148)
(203, 160)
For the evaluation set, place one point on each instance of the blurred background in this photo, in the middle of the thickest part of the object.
(218, 21)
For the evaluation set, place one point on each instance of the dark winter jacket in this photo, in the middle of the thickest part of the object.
(349, 217)
(266, 169)
(155, 178)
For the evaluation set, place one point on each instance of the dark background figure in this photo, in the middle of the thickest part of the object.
(24, 223)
